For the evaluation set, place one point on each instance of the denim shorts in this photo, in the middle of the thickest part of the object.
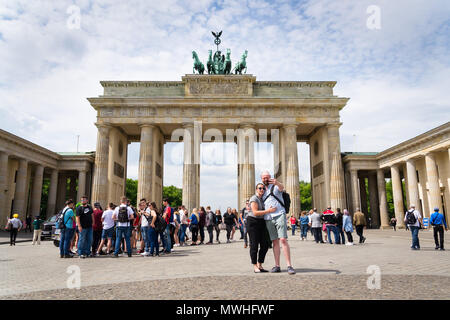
(277, 227)
(107, 233)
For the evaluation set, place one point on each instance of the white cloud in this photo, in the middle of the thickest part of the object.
(397, 77)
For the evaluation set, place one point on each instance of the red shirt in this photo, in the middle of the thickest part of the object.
(168, 212)
(293, 220)
(97, 226)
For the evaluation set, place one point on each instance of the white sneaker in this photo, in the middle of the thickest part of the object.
(144, 254)
(349, 243)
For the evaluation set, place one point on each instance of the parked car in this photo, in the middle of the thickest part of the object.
(56, 235)
(47, 227)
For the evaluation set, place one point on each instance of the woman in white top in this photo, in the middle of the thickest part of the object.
(183, 227)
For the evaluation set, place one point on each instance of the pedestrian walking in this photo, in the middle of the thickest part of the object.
(276, 221)
(28, 223)
(85, 220)
(339, 223)
(37, 230)
(66, 230)
(236, 223)
(145, 216)
(347, 227)
(413, 220)
(14, 226)
(293, 223)
(437, 220)
(304, 221)
(394, 223)
(316, 225)
(359, 220)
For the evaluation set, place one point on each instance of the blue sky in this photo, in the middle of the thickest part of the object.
(396, 77)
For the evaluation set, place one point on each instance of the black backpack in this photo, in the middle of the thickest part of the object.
(286, 199)
(160, 224)
(410, 217)
(123, 214)
(60, 223)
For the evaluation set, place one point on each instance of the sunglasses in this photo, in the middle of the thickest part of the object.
(261, 188)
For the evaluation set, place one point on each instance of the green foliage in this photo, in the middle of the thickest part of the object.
(305, 195)
(174, 195)
(44, 198)
(390, 199)
(131, 191)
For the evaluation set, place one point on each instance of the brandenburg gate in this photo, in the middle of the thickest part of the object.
(218, 107)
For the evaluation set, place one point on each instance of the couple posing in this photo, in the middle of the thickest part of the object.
(272, 220)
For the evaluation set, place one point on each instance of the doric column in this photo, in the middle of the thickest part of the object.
(246, 162)
(434, 198)
(53, 188)
(384, 216)
(20, 195)
(355, 190)
(191, 167)
(337, 187)
(145, 174)
(291, 178)
(3, 185)
(397, 194)
(100, 181)
(37, 191)
(412, 186)
(373, 200)
(62, 189)
(363, 195)
(81, 184)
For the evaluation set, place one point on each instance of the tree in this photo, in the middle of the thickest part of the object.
(174, 195)
(305, 195)
(131, 191)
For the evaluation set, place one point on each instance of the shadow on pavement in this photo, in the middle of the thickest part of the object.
(317, 270)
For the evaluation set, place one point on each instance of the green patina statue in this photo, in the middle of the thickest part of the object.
(218, 63)
(198, 65)
(241, 65)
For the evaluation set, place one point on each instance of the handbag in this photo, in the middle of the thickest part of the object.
(222, 226)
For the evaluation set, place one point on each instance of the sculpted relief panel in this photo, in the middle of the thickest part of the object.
(204, 88)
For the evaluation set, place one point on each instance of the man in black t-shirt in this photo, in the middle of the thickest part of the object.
(85, 220)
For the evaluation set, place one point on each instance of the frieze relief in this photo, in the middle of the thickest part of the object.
(204, 88)
(220, 112)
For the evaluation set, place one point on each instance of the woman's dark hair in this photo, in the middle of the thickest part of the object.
(69, 202)
(153, 205)
(202, 209)
(258, 185)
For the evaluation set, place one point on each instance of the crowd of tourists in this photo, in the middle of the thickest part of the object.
(263, 223)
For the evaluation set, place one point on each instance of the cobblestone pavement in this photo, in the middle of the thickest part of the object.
(222, 271)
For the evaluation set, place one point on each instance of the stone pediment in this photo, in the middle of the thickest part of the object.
(218, 85)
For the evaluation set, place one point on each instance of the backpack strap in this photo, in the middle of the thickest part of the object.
(64, 214)
(276, 198)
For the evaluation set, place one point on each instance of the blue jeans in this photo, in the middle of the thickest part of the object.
(331, 228)
(146, 238)
(415, 237)
(166, 239)
(154, 245)
(122, 231)
(293, 229)
(183, 232)
(85, 242)
(303, 230)
(64, 240)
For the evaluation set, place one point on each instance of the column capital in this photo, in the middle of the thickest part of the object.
(429, 154)
(247, 125)
(289, 125)
(333, 125)
(146, 125)
(187, 125)
(103, 125)
(411, 160)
